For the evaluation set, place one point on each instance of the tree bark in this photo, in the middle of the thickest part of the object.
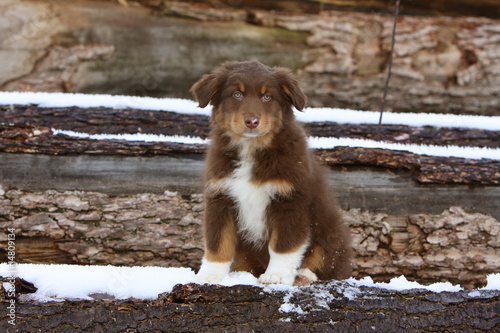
(441, 64)
(322, 307)
(78, 227)
(28, 130)
(485, 8)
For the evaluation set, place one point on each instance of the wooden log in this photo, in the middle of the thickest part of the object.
(28, 129)
(485, 8)
(322, 307)
(102, 120)
(80, 227)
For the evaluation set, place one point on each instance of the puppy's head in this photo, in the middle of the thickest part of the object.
(249, 99)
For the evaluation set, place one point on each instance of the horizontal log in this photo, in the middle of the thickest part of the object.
(81, 227)
(322, 307)
(100, 120)
(27, 129)
(390, 191)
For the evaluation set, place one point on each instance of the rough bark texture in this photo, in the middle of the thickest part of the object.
(441, 64)
(28, 129)
(324, 307)
(486, 8)
(165, 230)
(353, 58)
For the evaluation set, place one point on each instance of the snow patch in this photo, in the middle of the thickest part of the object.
(493, 282)
(134, 137)
(61, 282)
(443, 151)
(237, 278)
(184, 106)
(66, 282)
(313, 142)
(287, 307)
(401, 283)
(44, 99)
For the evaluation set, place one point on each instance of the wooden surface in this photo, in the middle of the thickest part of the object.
(146, 229)
(28, 129)
(324, 307)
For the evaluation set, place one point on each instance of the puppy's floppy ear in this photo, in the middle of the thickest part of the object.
(205, 89)
(291, 88)
(208, 88)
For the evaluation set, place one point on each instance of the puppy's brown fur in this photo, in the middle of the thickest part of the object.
(258, 155)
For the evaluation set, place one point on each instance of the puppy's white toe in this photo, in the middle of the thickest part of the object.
(212, 272)
(287, 278)
(305, 277)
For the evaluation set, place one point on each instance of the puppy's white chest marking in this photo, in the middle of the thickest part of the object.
(251, 200)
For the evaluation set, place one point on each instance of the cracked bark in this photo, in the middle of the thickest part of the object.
(321, 307)
(77, 227)
(27, 129)
(53, 71)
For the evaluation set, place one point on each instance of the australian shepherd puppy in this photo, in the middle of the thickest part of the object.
(268, 209)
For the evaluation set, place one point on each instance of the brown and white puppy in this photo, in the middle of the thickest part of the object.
(268, 209)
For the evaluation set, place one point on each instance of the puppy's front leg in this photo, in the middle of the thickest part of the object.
(282, 268)
(220, 240)
(286, 253)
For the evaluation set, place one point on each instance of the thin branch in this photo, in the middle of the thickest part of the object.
(382, 106)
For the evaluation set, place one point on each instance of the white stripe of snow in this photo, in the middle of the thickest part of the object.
(135, 137)
(191, 107)
(410, 119)
(444, 151)
(314, 142)
(44, 99)
(58, 282)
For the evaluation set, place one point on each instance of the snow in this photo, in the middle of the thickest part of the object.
(134, 137)
(431, 150)
(401, 283)
(492, 282)
(60, 282)
(43, 99)
(346, 116)
(190, 107)
(70, 282)
(314, 142)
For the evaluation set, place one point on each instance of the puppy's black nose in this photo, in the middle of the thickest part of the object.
(251, 122)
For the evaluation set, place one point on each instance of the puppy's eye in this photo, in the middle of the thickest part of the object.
(266, 97)
(238, 95)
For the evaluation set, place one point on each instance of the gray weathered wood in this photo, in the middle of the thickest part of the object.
(387, 191)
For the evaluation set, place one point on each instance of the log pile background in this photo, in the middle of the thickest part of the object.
(442, 64)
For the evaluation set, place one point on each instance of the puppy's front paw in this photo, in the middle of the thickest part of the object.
(212, 272)
(287, 278)
(305, 277)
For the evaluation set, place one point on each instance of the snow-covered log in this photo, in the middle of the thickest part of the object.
(321, 307)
